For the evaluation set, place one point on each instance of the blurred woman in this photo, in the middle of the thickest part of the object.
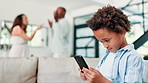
(19, 38)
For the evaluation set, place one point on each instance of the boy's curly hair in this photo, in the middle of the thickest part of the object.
(111, 18)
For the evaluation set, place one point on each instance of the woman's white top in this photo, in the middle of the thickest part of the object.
(19, 47)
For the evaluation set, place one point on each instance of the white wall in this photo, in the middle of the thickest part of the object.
(36, 12)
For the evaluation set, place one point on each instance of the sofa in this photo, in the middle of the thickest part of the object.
(42, 70)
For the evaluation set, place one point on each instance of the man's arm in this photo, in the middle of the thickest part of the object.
(50, 23)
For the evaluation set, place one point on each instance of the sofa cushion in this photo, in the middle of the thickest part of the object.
(18, 70)
(63, 70)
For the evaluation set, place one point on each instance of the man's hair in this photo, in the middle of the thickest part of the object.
(111, 18)
(62, 8)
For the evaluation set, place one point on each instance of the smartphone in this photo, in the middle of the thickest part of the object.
(81, 62)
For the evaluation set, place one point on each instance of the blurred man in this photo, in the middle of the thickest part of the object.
(60, 38)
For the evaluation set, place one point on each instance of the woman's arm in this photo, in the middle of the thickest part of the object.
(24, 36)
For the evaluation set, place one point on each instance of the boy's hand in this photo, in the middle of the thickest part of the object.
(82, 74)
(92, 75)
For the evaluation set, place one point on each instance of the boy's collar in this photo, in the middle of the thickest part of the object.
(128, 47)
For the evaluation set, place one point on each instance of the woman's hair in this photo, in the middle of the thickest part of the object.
(111, 18)
(18, 21)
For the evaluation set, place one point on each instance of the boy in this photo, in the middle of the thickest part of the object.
(121, 62)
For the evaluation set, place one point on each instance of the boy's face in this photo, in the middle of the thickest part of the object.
(112, 41)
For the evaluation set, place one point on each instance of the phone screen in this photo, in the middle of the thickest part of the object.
(81, 62)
